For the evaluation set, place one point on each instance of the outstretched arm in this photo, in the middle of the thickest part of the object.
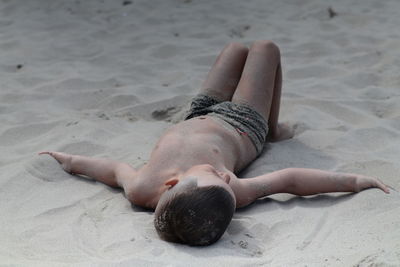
(304, 182)
(109, 172)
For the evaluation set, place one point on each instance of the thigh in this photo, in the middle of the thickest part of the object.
(258, 80)
(225, 74)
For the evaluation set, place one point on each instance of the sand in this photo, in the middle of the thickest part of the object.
(106, 78)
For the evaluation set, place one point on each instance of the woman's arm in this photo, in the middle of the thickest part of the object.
(109, 172)
(304, 182)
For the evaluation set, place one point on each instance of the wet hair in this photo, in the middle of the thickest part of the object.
(196, 217)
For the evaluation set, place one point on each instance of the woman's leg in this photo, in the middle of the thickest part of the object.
(225, 74)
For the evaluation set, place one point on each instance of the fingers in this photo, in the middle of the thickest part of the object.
(375, 182)
(55, 155)
(382, 186)
(50, 153)
(44, 152)
(372, 182)
(60, 157)
(392, 188)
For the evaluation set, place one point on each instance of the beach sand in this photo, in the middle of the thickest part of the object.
(106, 78)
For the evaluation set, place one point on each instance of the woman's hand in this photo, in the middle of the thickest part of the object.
(107, 171)
(364, 182)
(62, 158)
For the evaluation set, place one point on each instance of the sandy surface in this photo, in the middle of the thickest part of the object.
(104, 79)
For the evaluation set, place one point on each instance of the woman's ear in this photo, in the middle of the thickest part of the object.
(172, 182)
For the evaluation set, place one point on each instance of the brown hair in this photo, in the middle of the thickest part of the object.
(197, 217)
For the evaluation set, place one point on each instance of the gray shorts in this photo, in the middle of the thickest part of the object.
(241, 116)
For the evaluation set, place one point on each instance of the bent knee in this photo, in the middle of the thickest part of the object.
(266, 45)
